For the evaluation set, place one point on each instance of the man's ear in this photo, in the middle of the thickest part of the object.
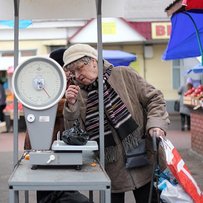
(95, 62)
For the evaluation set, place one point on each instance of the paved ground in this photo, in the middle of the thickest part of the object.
(181, 140)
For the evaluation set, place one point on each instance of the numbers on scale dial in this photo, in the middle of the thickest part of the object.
(39, 84)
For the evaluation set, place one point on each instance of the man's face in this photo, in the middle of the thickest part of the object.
(84, 72)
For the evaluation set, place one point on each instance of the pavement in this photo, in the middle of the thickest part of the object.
(181, 140)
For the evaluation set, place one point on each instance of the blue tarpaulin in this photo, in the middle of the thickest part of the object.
(118, 58)
(22, 23)
(186, 38)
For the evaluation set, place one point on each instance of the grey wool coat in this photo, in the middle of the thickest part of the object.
(183, 108)
(146, 105)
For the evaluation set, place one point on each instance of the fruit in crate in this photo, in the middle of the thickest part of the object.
(200, 87)
(198, 91)
(195, 92)
(189, 92)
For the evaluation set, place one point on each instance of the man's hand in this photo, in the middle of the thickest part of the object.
(72, 94)
(157, 132)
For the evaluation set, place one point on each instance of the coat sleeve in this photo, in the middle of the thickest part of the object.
(77, 111)
(180, 90)
(71, 114)
(151, 100)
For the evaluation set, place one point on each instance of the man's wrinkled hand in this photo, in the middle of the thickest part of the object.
(158, 132)
(72, 94)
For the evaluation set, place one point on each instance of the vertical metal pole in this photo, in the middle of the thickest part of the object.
(101, 89)
(144, 62)
(26, 196)
(91, 196)
(16, 50)
(15, 119)
(100, 65)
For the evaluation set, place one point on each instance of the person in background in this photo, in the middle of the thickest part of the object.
(184, 110)
(2, 102)
(133, 109)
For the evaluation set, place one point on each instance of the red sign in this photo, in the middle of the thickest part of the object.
(161, 30)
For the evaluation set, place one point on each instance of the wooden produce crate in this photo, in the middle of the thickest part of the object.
(195, 101)
(187, 100)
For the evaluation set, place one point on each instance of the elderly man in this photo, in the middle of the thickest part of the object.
(133, 110)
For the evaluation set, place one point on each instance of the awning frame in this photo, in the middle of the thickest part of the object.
(197, 34)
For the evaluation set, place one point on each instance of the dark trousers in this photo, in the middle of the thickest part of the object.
(2, 107)
(141, 195)
(61, 197)
(185, 119)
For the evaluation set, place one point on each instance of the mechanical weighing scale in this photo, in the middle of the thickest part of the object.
(39, 83)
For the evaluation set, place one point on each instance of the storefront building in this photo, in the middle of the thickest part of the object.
(147, 40)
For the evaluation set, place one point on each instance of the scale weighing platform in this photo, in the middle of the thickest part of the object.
(62, 154)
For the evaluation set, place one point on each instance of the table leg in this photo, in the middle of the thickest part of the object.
(13, 196)
(108, 195)
(26, 196)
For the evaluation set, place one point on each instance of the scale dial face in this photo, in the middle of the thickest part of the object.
(39, 83)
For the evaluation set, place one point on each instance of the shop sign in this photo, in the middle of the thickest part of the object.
(161, 30)
(109, 28)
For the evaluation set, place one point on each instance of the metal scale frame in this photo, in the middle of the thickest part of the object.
(39, 83)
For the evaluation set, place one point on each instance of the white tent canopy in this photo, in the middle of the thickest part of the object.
(71, 9)
(60, 9)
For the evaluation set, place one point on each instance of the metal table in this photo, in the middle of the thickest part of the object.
(59, 178)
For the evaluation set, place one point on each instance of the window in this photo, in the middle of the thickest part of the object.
(28, 52)
(53, 47)
(7, 53)
(176, 73)
(21, 53)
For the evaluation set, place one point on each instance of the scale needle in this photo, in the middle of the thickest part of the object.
(46, 92)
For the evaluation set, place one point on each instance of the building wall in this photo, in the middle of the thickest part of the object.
(159, 73)
(197, 131)
(153, 69)
(42, 46)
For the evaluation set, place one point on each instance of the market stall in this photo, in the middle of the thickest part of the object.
(193, 98)
(186, 42)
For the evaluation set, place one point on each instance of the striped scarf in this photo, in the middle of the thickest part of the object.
(116, 115)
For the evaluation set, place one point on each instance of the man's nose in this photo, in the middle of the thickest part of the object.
(77, 74)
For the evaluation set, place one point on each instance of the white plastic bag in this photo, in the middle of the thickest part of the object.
(174, 194)
(181, 172)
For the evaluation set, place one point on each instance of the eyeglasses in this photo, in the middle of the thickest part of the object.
(77, 65)
(77, 68)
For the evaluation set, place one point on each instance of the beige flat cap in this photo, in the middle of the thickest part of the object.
(78, 51)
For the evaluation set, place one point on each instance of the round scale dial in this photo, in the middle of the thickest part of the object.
(39, 83)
